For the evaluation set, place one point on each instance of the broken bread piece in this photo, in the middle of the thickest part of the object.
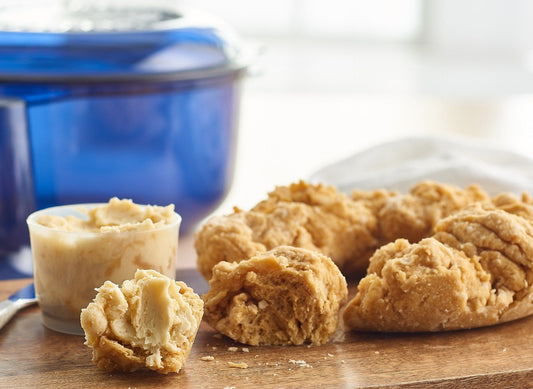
(286, 296)
(477, 270)
(150, 321)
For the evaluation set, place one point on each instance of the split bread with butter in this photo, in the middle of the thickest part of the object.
(150, 321)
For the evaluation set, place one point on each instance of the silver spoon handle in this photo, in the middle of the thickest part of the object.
(9, 308)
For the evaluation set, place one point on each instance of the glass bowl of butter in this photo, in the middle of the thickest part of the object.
(76, 248)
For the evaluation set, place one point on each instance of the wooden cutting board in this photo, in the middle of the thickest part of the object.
(32, 356)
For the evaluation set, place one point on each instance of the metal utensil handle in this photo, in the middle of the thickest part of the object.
(9, 308)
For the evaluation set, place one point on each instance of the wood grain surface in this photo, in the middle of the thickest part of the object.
(498, 357)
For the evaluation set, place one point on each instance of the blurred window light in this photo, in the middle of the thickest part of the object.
(386, 20)
(362, 19)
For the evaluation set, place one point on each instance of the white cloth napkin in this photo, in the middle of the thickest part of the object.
(399, 165)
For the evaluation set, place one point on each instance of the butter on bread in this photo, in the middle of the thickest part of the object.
(150, 321)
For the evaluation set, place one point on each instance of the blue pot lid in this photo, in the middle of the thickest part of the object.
(48, 41)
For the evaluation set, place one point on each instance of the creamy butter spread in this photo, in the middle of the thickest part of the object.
(77, 251)
(115, 216)
(150, 321)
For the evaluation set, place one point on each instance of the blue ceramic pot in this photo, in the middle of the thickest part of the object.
(147, 112)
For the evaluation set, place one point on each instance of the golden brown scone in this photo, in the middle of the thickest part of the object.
(286, 296)
(414, 215)
(374, 200)
(504, 243)
(510, 203)
(418, 287)
(151, 321)
(477, 270)
(228, 238)
(314, 217)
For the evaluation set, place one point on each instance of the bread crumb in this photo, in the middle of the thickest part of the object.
(376, 352)
(207, 358)
(330, 355)
(232, 349)
(300, 363)
(245, 350)
(239, 365)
